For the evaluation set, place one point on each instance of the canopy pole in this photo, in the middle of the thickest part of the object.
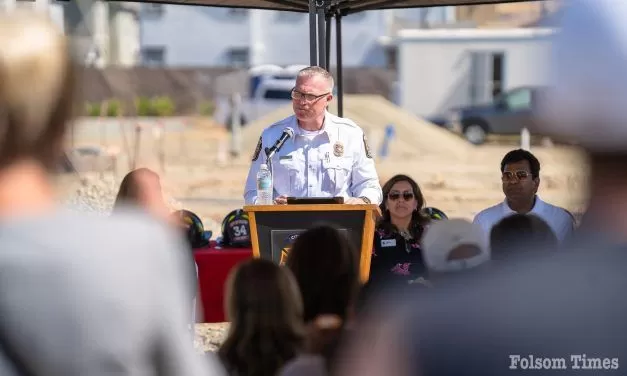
(322, 56)
(339, 67)
(313, 41)
(327, 44)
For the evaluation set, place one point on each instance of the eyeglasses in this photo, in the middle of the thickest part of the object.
(407, 196)
(518, 175)
(309, 98)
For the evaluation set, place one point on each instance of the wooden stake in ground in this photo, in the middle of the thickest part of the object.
(182, 145)
(126, 146)
(157, 133)
(236, 125)
(104, 108)
(137, 145)
(525, 139)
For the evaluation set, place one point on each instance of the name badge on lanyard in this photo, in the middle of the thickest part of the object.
(388, 242)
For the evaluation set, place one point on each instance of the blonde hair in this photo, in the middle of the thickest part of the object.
(315, 71)
(37, 87)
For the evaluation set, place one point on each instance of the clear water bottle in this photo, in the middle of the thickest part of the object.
(264, 186)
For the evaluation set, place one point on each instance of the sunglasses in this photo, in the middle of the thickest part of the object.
(518, 175)
(407, 196)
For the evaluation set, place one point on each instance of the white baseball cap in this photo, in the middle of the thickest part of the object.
(586, 99)
(442, 237)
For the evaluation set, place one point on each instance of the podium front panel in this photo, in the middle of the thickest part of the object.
(277, 231)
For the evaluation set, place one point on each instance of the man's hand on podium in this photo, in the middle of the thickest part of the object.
(356, 201)
(281, 200)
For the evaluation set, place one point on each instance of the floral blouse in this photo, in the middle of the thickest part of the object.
(395, 258)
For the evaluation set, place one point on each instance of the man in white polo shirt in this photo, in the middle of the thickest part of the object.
(521, 178)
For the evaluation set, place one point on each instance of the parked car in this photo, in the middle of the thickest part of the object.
(508, 114)
(270, 88)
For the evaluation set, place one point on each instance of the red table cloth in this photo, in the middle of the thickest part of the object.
(214, 264)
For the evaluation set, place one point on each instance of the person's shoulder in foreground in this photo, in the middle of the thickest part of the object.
(555, 305)
(96, 294)
(565, 307)
(305, 365)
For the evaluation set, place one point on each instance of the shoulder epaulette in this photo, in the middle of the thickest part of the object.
(344, 121)
(282, 121)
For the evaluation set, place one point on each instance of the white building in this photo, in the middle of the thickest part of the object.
(441, 69)
(103, 33)
(54, 8)
(179, 35)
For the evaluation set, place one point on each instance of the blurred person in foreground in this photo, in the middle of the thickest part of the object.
(265, 309)
(520, 177)
(328, 156)
(519, 233)
(79, 294)
(141, 189)
(552, 312)
(326, 267)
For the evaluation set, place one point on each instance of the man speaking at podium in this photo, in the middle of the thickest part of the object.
(314, 153)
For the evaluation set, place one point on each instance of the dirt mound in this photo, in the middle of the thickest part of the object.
(414, 137)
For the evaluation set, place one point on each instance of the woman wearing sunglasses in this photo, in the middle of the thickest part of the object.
(397, 257)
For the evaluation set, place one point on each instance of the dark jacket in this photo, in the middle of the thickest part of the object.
(395, 260)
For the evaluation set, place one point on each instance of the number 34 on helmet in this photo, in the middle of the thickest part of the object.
(236, 230)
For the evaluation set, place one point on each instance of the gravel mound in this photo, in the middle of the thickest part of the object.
(96, 192)
(209, 337)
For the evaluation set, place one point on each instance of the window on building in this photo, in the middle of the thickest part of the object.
(391, 57)
(238, 12)
(355, 17)
(284, 16)
(239, 57)
(153, 10)
(153, 56)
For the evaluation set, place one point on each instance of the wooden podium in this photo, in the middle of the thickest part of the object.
(274, 228)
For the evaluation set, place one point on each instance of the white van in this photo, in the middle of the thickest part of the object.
(270, 88)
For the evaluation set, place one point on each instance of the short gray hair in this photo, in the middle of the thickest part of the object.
(319, 72)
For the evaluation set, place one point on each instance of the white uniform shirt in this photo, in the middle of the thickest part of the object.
(558, 219)
(332, 162)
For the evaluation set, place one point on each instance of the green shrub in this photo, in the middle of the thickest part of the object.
(163, 106)
(143, 106)
(92, 109)
(155, 106)
(207, 108)
(114, 108)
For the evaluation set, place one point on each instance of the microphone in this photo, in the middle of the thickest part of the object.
(286, 135)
